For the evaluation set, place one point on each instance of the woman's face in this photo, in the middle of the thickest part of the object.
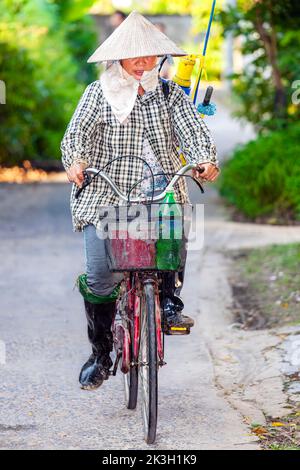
(136, 67)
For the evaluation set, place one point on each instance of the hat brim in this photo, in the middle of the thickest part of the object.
(135, 37)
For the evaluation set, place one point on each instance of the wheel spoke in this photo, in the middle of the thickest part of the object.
(148, 363)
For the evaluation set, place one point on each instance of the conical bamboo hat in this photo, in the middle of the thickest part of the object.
(135, 37)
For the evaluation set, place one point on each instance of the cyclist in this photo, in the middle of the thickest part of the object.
(126, 112)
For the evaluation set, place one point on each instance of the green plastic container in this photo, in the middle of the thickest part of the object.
(170, 242)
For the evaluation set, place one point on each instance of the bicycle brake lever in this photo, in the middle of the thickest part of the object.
(87, 181)
(201, 170)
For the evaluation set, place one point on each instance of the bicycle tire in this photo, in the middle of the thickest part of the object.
(131, 380)
(148, 365)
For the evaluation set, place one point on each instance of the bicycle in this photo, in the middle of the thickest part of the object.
(139, 326)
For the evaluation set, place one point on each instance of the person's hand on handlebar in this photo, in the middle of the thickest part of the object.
(75, 173)
(208, 172)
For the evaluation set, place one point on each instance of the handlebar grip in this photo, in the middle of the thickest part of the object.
(207, 96)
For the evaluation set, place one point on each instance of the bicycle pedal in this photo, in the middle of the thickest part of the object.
(177, 330)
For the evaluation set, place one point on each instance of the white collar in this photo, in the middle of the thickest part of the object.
(120, 89)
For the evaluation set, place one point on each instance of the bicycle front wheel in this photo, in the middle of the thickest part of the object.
(148, 364)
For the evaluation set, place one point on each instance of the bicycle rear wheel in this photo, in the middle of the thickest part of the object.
(148, 364)
(131, 378)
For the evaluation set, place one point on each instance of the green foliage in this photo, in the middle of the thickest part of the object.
(43, 63)
(81, 38)
(72, 10)
(17, 117)
(180, 7)
(200, 12)
(263, 177)
(270, 43)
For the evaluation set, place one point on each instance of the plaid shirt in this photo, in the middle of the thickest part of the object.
(94, 136)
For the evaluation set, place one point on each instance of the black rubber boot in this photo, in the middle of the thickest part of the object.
(96, 369)
(172, 304)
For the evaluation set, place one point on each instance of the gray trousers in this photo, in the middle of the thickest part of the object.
(99, 279)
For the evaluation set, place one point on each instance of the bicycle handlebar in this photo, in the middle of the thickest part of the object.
(94, 171)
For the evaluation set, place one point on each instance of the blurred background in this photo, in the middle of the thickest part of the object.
(253, 59)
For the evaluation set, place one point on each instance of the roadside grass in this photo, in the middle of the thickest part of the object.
(266, 285)
(266, 291)
(279, 435)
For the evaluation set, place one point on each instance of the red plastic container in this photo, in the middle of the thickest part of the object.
(129, 253)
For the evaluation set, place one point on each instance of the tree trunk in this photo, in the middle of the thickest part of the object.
(270, 44)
